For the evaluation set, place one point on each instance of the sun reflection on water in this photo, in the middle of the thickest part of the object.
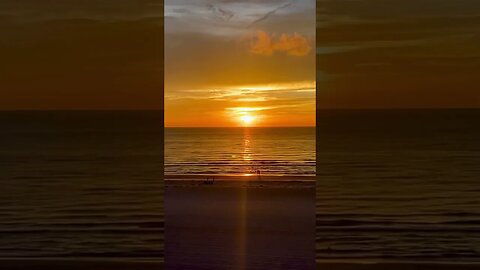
(247, 152)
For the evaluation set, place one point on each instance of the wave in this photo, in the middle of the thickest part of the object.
(352, 222)
(154, 254)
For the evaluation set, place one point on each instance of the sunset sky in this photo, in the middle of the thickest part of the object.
(225, 55)
(398, 53)
(239, 62)
(81, 55)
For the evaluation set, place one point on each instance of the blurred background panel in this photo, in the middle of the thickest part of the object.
(397, 154)
(81, 116)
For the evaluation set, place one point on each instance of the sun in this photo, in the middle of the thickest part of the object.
(247, 119)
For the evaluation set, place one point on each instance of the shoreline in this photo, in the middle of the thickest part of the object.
(235, 181)
(239, 177)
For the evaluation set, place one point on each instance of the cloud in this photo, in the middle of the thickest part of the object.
(268, 104)
(266, 44)
(224, 14)
(109, 10)
(250, 94)
(270, 13)
(398, 54)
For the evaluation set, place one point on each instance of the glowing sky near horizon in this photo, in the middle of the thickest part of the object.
(237, 63)
(108, 55)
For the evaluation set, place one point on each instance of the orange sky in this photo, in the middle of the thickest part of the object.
(239, 63)
(108, 55)
(81, 55)
(386, 54)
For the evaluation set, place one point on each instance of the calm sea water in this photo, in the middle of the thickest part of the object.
(399, 185)
(81, 184)
(239, 151)
(392, 185)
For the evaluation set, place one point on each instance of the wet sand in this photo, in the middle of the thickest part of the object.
(235, 224)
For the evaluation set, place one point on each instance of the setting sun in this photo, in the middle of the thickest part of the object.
(247, 119)
(256, 75)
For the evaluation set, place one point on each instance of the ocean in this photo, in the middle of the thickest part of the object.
(392, 185)
(240, 151)
(81, 184)
(398, 185)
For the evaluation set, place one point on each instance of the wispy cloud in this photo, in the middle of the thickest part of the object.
(224, 14)
(235, 18)
(270, 13)
(398, 54)
(247, 93)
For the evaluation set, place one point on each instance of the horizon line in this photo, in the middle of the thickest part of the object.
(317, 109)
(79, 110)
(240, 127)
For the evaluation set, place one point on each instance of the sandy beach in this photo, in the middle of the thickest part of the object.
(76, 264)
(240, 223)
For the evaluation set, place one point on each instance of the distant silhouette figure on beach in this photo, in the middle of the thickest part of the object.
(209, 181)
(258, 174)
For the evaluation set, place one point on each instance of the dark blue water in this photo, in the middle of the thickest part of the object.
(399, 185)
(81, 184)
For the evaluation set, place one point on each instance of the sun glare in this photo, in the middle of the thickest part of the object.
(247, 119)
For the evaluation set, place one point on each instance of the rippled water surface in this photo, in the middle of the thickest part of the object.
(81, 184)
(399, 185)
(238, 151)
